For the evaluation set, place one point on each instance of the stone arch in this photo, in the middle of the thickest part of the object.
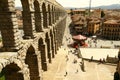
(44, 11)
(42, 48)
(48, 42)
(12, 72)
(49, 13)
(28, 18)
(32, 62)
(38, 25)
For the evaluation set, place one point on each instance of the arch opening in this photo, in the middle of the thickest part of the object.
(44, 11)
(38, 26)
(11, 72)
(32, 61)
(49, 12)
(19, 16)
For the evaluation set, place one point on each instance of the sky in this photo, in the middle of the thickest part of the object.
(81, 3)
(85, 3)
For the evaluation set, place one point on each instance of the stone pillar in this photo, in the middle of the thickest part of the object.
(43, 57)
(55, 42)
(48, 41)
(9, 27)
(52, 46)
(26, 72)
(41, 13)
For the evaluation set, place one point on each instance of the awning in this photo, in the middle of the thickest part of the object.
(79, 37)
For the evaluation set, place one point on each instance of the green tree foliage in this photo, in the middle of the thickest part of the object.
(71, 12)
(2, 76)
(102, 14)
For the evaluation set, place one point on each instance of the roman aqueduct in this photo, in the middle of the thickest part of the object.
(24, 57)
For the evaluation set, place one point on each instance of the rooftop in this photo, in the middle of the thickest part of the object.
(112, 22)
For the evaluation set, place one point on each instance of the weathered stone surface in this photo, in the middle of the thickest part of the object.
(27, 57)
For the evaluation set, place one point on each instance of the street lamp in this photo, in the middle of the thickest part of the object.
(89, 8)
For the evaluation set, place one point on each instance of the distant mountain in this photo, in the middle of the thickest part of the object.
(113, 6)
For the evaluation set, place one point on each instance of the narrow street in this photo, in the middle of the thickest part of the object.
(64, 68)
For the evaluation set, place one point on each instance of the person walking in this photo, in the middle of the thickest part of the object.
(65, 74)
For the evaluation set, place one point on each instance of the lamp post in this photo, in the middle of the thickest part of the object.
(89, 7)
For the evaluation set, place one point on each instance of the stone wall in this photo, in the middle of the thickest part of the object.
(25, 56)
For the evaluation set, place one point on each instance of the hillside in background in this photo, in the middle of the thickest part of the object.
(113, 6)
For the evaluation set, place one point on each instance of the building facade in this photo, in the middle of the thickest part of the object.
(24, 56)
(79, 11)
(111, 30)
(93, 27)
(78, 23)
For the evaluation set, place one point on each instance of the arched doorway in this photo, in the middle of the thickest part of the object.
(11, 72)
(42, 49)
(32, 62)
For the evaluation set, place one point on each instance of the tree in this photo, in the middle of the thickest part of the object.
(102, 14)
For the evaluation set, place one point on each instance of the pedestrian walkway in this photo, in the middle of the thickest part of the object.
(56, 70)
(63, 68)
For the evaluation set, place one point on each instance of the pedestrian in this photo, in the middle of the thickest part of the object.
(103, 60)
(83, 66)
(68, 52)
(100, 60)
(65, 74)
(64, 48)
(74, 61)
(91, 58)
(77, 71)
(116, 76)
(67, 58)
